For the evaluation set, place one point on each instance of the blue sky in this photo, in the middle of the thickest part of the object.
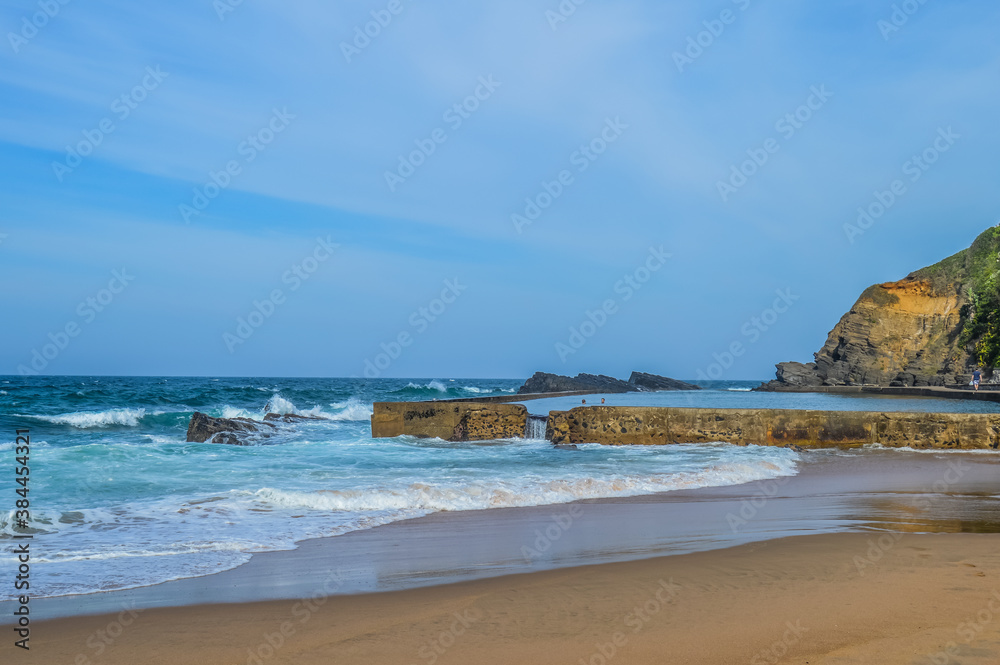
(309, 129)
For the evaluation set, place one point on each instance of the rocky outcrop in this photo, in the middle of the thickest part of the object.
(929, 329)
(543, 382)
(232, 431)
(238, 431)
(653, 382)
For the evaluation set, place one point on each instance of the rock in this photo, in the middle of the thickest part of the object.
(232, 431)
(543, 382)
(794, 375)
(653, 382)
(923, 330)
(291, 417)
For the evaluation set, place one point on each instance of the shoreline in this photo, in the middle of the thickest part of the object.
(908, 600)
(833, 491)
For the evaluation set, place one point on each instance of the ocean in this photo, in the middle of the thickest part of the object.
(120, 500)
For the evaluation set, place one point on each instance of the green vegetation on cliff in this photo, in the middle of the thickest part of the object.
(976, 271)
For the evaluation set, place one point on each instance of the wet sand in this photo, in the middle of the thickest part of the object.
(541, 584)
(796, 600)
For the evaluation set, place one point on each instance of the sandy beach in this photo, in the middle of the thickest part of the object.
(866, 557)
(838, 598)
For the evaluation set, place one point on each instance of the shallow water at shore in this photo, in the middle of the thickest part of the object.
(868, 490)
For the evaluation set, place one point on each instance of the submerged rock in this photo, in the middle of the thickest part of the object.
(238, 431)
(291, 417)
(232, 431)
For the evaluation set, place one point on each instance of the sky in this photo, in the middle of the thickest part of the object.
(393, 188)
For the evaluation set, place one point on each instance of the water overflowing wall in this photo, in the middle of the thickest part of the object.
(535, 427)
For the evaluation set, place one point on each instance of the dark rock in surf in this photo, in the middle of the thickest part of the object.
(231, 431)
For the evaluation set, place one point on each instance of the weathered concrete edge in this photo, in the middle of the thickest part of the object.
(774, 427)
(451, 421)
(520, 398)
(983, 394)
(651, 425)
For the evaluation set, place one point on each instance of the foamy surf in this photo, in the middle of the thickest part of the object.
(84, 420)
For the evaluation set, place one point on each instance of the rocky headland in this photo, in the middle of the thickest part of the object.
(543, 382)
(931, 328)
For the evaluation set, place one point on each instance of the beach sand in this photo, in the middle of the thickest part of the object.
(876, 557)
(824, 599)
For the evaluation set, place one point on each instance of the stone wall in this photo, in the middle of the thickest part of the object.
(451, 421)
(613, 425)
(635, 425)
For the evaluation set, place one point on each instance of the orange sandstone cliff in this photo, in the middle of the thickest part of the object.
(930, 328)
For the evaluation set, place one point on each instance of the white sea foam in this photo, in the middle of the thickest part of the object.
(433, 385)
(87, 419)
(435, 497)
(352, 409)
(280, 405)
(234, 412)
(739, 390)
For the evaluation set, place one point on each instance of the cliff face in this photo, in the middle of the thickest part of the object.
(930, 328)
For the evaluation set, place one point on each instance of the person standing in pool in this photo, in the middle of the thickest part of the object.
(977, 376)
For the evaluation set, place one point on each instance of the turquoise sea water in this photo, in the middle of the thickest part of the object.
(119, 499)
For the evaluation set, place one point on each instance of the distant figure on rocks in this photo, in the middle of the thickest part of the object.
(977, 376)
